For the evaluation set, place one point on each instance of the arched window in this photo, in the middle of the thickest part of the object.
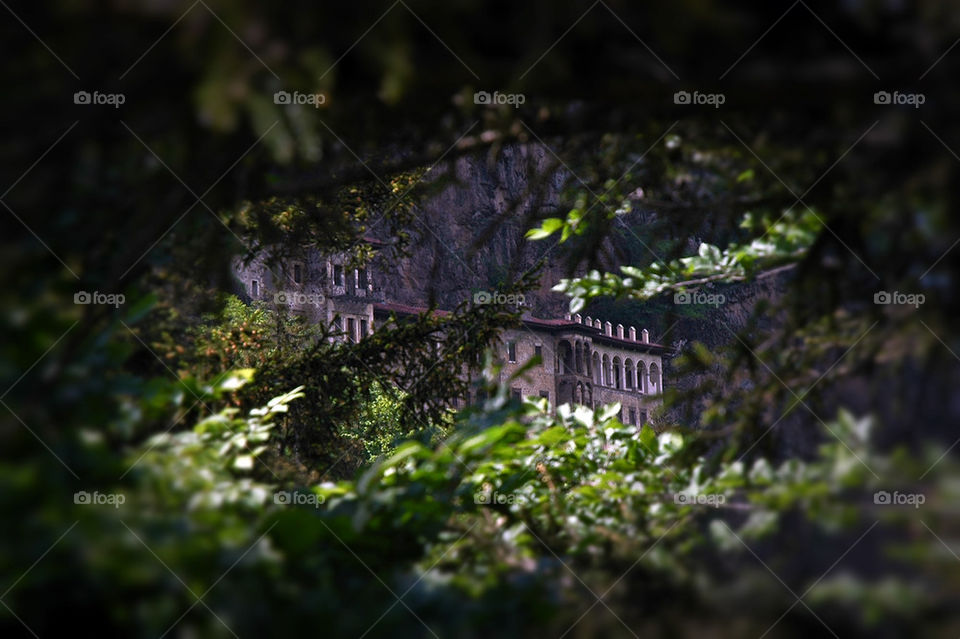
(597, 371)
(588, 369)
(579, 357)
(654, 379)
(607, 377)
(566, 357)
(629, 374)
(641, 377)
(617, 373)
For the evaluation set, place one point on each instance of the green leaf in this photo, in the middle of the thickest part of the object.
(648, 439)
(236, 379)
(551, 224)
(537, 234)
(547, 228)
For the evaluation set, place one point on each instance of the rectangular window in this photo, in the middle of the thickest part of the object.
(512, 351)
(643, 417)
(363, 328)
(351, 329)
(633, 416)
(515, 393)
(538, 351)
(254, 289)
(337, 275)
(298, 274)
(545, 394)
(362, 278)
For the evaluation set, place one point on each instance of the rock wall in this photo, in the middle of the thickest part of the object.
(489, 201)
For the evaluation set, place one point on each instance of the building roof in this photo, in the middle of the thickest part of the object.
(549, 323)
(553, 325)
(596, 333)
(638, 345)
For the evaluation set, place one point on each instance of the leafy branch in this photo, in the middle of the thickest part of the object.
(780, 247)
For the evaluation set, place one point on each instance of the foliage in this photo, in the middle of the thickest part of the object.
(247, 336)
(378, 427)
(782, 243)
(516, 506)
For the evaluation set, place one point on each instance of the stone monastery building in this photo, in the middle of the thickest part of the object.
(584, 360)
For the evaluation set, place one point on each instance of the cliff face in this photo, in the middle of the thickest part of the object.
(470, 233)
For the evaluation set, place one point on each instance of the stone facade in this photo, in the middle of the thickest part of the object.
(587, 362)
(320, 289)
(584, 360)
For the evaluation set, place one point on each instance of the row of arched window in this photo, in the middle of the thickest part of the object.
(625, 374)
(617, 373)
